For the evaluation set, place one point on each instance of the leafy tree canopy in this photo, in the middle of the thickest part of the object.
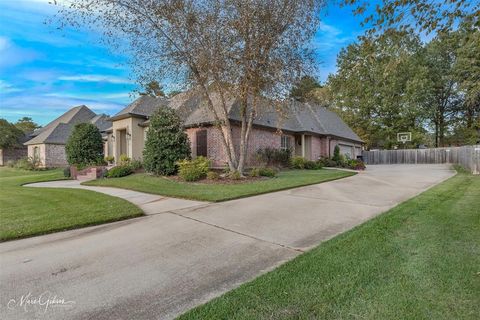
(421, 15)
(9, 135)
(26, 124)
(391, 82)
(302, 91)
(154, 89)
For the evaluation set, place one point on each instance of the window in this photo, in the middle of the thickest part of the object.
(36, 153)
(285, 142)
(201, 137)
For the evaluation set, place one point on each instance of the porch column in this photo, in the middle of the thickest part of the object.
(303, 145)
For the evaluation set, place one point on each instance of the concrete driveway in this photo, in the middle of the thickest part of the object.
(158, 266)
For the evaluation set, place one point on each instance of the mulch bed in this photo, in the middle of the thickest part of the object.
(220, 180)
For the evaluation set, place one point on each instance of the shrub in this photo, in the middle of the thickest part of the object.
(319, 164)
(193, 170)
(234, 175)
(355, 164)
(255, 172)
(336, 154)
(84, 146)
(212, 175)
(298, 162)
(267, 172)
(136, 165)
(166, 143)
(119, 171)
(10, 164)
(360, 165)
(327, 162)
(310, 165)
(66, 172)
(27, 164)
(274, 157)
(110, 159)
(124, 160)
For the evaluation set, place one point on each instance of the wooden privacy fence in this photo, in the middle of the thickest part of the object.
(466, 156)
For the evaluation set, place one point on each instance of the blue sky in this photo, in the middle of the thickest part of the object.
(44, 71)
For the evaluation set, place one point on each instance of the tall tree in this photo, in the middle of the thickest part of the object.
(421, 15)
(9, 135)
(303, 90)
(440, 96)
(372, 87)
(26, 124)
(227, 49)
(467, 74)
(154, 89)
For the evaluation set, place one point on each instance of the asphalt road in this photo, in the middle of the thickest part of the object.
(160, 265)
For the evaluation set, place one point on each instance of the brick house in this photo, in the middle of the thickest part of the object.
(48, 143)
(308, 130)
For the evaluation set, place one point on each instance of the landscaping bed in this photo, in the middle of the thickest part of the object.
(212, 191)
(221, 180)
(28, 211)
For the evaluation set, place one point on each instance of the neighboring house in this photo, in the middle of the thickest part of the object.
(308, 130)
(48, 143)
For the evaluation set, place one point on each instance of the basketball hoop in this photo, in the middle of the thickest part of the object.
(404, 137)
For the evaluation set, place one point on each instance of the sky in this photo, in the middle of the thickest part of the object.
(45, 71)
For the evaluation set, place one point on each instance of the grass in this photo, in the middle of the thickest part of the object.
(419, 260)
(220, 192)
(33, 211)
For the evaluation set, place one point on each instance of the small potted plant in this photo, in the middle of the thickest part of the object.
(110, 160)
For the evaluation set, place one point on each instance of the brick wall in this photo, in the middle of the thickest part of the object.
(12, 154)
(317, 147)
(259, 138)
(55, 155)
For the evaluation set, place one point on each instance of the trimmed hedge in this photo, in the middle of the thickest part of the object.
(119, 171)
(166, 143)
(84, 146)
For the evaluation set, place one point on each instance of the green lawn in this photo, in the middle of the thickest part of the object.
(220, 192)
(420, 260)
(32, 211)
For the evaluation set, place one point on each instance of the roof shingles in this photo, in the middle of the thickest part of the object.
(58, 131)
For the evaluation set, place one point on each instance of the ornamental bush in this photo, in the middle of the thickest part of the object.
(267, 172)
(193, 170)
(298, 162)
(119, 171)
(273, 157)
(212, 175)
(166, 143)
(84, 146)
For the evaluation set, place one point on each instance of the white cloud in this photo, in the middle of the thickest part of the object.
(44, 109)
(330, 38)
(4, 43)
(120, 96)
(96, 78)
(6, 87)
(11, 55)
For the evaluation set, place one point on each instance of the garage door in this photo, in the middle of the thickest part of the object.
(346, 150)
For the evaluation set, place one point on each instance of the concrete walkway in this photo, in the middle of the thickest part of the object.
(158, 266)
(149, 203)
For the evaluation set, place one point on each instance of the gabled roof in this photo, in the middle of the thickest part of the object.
(58, 131)
(142, 107)
(291, 116)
